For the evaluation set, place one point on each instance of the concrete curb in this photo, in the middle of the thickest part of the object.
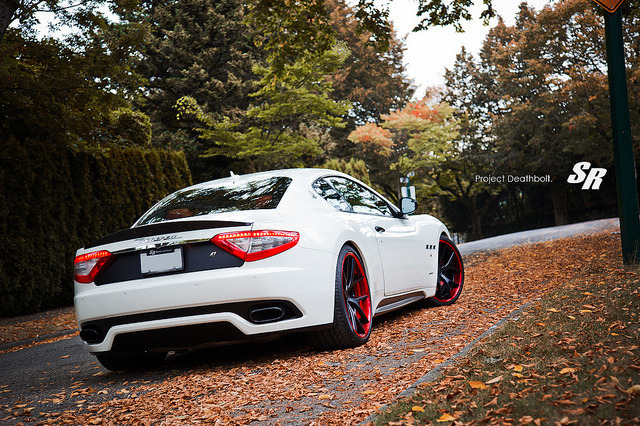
(434, 373)
(36, 339)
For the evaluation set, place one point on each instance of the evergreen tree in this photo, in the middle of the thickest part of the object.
(204, 50)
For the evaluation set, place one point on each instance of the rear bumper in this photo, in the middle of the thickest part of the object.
(192, 309)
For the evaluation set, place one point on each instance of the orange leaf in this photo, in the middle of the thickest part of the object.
(446, 417)
(477, 385)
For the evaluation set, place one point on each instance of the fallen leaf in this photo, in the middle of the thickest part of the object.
(567, 370)
(564, 402)
(417, 409)
(494, 380)
(446, 417)
(517, 368)
(477, 385)
(634, 390)
(494, 401)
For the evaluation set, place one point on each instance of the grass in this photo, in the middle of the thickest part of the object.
(571, 358)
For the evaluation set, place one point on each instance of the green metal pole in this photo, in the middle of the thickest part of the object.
(623, 150)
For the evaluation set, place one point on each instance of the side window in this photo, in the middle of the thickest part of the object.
(361, 199)
(327, 192)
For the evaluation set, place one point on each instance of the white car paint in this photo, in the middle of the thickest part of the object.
(402, 260)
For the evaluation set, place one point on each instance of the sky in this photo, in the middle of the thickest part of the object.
(430, 52)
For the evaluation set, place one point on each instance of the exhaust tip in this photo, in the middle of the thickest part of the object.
(91, 335)
(266, 314)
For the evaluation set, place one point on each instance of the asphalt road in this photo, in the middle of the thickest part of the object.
(50, 376)
(537, 235)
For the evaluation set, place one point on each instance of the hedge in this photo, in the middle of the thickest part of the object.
(54, 200)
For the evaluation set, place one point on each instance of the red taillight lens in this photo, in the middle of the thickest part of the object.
(256, 245)
(87, 266)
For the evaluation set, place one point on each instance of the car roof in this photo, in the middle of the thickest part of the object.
(306, 174)
(302, 178)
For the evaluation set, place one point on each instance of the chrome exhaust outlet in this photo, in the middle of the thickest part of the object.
(266, 314)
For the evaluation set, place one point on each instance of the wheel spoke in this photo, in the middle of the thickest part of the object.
(355, 321)
(354, 283)
(355, 305)
(446, 265)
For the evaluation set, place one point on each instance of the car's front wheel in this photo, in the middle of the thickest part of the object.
(450, 274)
(353, 314)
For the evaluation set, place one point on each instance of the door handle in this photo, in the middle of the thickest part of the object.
(379, 229)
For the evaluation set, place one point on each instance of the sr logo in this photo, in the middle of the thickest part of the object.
(591, 180)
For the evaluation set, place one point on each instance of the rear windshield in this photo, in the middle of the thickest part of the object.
(229, 197)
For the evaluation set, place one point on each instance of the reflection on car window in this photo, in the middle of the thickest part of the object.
(361, 199)
(232, 196)
(327, 192)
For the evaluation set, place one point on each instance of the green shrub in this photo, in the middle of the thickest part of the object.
(54, 200)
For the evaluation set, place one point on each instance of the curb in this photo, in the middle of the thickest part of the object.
(435, 372)
(36, 339)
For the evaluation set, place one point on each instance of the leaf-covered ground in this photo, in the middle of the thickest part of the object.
(572, 358)
(287, 382)
(31, 326)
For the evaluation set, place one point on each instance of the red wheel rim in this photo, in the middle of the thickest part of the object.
(449, 273)
(356, 295)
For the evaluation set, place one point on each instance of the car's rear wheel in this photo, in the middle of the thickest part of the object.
(450, 274)
(353, 314)
(129, 362)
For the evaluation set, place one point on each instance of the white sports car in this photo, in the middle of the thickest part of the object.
(257, 255)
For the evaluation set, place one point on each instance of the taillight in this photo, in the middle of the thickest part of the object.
(87, 266)
(256, 245)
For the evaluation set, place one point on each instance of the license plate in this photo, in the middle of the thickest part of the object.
(161, 260)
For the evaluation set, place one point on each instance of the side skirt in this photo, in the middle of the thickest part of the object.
(392, 303)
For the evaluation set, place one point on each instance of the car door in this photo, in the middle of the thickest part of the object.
(402, 253)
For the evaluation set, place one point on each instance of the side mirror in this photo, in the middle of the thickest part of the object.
(408, 205)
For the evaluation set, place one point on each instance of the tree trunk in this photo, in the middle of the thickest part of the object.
(559, 200)
(7, 9)
(475, 217)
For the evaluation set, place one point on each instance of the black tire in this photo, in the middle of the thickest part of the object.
(450, 274)
(130, 362)
(353, 313)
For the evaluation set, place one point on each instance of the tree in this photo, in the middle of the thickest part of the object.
(284, 127)
(66, 89)
(551, 73)
(470, 90)
(374, 82)
(353, 167)
(298, 26)
(201, 49)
